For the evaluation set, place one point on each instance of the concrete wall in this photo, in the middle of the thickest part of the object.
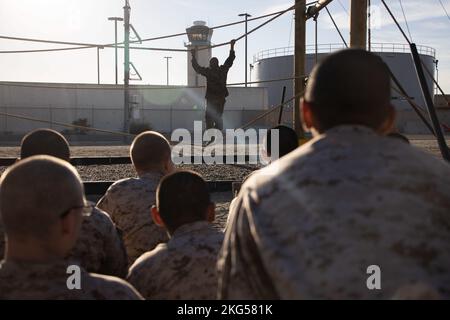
(163, 108)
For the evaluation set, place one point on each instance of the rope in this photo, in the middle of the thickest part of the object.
(215, 27)
(411, 101)
(404, 17)
(45, 50)
(290, 29)
(336, 26)
(396, 22)
(445, 10)
(265, 81)
(266, 113)
(345, 9)
(249, 32)
(121, 87)
(62, 124)
(434, 80)
(419, 110)
(113, 45)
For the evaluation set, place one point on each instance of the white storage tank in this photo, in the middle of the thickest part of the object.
(279, 63)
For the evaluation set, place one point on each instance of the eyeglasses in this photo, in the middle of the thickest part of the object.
(86, 210)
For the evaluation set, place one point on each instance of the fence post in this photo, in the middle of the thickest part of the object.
(6, 119)
(92, 116)
(50, 112)
(170, 120)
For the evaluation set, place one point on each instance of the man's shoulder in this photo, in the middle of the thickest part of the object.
(123, 184)
(99, 218)
(109, 288)
(149, 261)
(202, 240)
(213, 236)
(325, 158)
(122, 190)
(97, 227)
(2, 240)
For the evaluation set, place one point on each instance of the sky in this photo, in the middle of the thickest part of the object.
(86, 21)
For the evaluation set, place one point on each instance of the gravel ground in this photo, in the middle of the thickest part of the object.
(209, 172)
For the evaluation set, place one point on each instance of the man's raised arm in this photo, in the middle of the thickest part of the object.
(229, 62)
(201, 70)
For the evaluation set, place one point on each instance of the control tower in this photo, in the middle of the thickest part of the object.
(199, 35)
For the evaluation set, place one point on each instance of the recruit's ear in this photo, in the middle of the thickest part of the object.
(307, 117)
(388, 125)
(156, 217)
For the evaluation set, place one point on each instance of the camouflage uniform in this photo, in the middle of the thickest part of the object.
(26, 281)
(346, 200)
(184, 268)
(100, 248)
(2, 239)
(128, 202)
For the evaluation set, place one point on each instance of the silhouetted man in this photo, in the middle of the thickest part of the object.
(216, 87)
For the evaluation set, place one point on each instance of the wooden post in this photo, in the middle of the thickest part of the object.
(299, 61)
(126, 81)
(358, 24)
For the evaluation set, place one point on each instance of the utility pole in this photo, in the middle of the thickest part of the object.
(98, 63)
(167, 63)
(358, 24)
(126, 81)
(299, 62)
(369, 22)
(246, 15)
(115, 19)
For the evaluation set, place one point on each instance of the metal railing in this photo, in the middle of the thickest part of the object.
(330, 47)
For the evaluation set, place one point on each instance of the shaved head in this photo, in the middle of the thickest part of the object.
(182, 197)
(35, 192)
(150, 150)
(350, 87)
(45, 142)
